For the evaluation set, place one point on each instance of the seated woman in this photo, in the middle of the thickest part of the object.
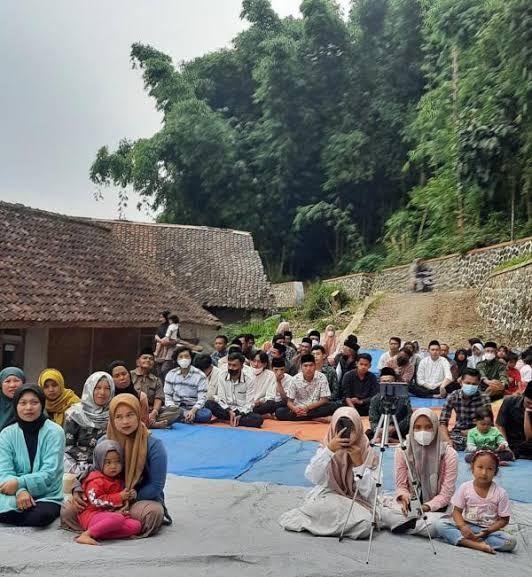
(31, 463)
(145, 469)
(123, 385)
(58, 398)
(435, 464)
(339, 464)
(86, 422)
(10, 379)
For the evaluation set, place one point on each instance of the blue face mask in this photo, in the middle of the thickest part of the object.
(469, 390)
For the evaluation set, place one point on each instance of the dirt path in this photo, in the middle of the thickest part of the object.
(450, 317)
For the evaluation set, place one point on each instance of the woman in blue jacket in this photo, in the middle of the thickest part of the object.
(31, 463)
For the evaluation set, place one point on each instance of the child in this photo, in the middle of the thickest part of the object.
(481, 510)
(515, 384)
(104, 490)
(485, 436)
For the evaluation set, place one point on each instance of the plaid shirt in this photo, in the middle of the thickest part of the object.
(465, 408)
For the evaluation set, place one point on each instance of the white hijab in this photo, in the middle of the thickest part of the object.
(88, 413)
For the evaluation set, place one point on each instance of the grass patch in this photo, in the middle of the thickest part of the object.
(521, 259)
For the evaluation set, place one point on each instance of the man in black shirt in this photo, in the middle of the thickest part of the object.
(359, 386)
(515, 423)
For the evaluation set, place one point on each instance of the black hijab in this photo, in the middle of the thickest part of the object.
(130, 389)
(462, 365)
(31, 429)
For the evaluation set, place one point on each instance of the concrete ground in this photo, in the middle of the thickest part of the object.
(228, 528)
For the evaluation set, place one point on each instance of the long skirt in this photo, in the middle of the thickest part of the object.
(324, 513)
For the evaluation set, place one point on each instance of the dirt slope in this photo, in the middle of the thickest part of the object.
(450, 317)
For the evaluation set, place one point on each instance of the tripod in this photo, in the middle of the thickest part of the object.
(387, 418)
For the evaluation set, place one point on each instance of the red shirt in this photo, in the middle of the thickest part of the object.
(103, 494)
(516, 385)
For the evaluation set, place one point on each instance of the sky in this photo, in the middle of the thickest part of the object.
(68, 88)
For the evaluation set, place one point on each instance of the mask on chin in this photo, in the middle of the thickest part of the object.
(257, 371)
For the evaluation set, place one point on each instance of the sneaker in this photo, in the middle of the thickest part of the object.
(405, 526)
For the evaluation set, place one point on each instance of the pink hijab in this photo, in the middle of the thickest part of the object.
(341, 467)
(330, 343)
(282, 327)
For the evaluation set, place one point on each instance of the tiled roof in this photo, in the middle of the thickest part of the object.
(58, 269)
(218, 267)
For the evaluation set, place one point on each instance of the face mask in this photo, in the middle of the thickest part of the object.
(489, 356)
(183, 363)
(258, 371)
(469, 390)
(424, 438)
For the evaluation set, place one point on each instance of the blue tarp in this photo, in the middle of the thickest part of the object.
(213, 452)
(286, 466)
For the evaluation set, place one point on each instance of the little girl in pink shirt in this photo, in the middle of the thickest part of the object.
(481, 510)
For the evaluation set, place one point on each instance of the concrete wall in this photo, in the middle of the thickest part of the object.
(288, 294)
(449, 273)
(505, 303)
(35, 352)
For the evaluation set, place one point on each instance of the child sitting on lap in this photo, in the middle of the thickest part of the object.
(481, 510)
(485, 436)
(104, 490)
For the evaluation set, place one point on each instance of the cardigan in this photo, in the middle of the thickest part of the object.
(45, 481)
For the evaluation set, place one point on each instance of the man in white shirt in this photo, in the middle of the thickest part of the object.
(282, 382)
(433, 375)
(308, 395)
(235, 395)
(265, 385)
(205, 363)
(394, 345)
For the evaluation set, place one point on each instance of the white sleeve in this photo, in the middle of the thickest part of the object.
(220, 396)
(421, 373)
(447, 370)
(385, 357)
(271, 391)
(366, 479)
(317, 470)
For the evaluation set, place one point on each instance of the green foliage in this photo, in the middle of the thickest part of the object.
(406, 127)
(371, 262)
(318, 301)
(263, 330)
(517, 260)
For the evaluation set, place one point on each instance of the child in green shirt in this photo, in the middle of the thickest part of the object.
(485, 436)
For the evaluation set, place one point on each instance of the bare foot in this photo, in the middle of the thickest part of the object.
(86, 539)
(478, 545)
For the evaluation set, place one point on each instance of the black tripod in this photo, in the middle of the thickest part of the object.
(383, 428)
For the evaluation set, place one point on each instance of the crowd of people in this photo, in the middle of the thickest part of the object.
(100, 443)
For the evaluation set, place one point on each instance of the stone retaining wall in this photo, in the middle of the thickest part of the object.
(505, 303)
(288, 294)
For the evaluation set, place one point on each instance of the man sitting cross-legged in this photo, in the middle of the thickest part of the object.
(265, 387)
(465, 402)
(360, 385)
(308, 395)
(433, 375)
(235, 393)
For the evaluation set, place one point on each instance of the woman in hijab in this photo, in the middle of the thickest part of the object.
(58, 398)
(477, 355)
(339, 465)
(145, 468)
(330, 343)
(460, 358)
(10, 379)
(123, 385)
(433, 461)
(31, 463)
(86, 422)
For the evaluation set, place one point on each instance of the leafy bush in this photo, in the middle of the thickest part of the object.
(262, 330)
(371, 262)
(318, 300)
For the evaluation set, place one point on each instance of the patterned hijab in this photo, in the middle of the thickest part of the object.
(341, 467)
(135, 445)
(88, 413)
(7, 407)
(426, 460)
(64, 401)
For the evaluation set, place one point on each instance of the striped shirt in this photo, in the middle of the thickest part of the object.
(187, 391)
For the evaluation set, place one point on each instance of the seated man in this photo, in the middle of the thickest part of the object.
(465, 402)
(186, 388)
(345, 360)
(220, 349)
(433, 375)
(314, 337)
(493, 377)
(394, 344)
(403, 410)
(282, 381)
(515, 423)
(308, 395)
(318, 352)
(291, 349)
(204, 363)
(359, 386)
(304, 349)
(235, 392)
(145, 381)
(265, 387)
(402, 367)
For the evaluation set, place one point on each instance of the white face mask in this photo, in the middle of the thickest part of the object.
(183, 363)
(330, 333)
(258, 371)
(489, 356)
(424, 438)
